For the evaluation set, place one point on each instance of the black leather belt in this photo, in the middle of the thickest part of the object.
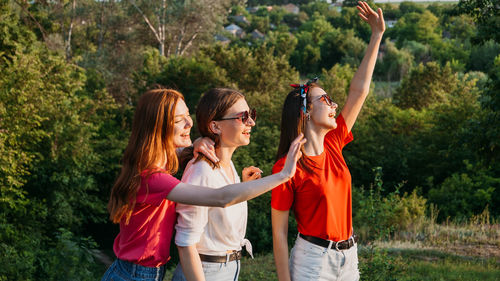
(340, 245)
(236, 255)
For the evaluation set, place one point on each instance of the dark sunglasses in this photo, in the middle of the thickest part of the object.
(244, 117)
(327, 99)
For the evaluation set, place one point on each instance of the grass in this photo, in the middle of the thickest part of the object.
(393, 264)
(437, 265)
(460, 251)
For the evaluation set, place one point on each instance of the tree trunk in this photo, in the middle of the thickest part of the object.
(70, 31)
(162, 48)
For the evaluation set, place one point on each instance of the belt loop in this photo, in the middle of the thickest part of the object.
(337, 245)
(157, 275)
(134, 267)
(352, 238)
(329, 246)
(227, 257)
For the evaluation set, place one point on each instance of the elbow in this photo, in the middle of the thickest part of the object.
(224, 199)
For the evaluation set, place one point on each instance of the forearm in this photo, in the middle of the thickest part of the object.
(236, 193)
(360, 83)
(280, 249)
(227, 195)
(191, 263)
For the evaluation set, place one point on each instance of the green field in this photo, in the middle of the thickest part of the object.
(393, 264)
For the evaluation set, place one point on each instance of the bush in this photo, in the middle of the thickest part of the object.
(377, 217)
(375, 264)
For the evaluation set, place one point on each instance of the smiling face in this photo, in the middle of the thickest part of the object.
(322, 114)
(182, 125)
(234, 132)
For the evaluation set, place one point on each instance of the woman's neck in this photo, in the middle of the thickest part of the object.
(225, 153)
(315, 141)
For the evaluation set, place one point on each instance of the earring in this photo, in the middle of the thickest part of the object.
(308, 116)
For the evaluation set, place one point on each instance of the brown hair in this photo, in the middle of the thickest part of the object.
(212, 106)
(151, 142)
(293, 122)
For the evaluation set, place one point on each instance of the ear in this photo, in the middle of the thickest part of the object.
(214, 127)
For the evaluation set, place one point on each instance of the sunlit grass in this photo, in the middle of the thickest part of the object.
(414, 264)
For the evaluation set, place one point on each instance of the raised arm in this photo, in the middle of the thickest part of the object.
(236, 193)
(360, 84)
(280, 243)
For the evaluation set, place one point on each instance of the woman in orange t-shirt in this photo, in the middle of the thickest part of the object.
(320, 191)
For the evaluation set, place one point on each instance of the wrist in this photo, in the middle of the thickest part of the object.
(377, 35)
(284, 176)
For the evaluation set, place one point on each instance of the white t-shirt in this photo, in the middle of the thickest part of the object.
(214, 230)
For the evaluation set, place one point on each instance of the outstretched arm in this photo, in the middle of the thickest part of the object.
(360, 84)
(236, 193)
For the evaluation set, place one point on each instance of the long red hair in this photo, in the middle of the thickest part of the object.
(151, 142)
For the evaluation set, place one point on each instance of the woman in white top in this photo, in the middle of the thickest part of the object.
(210, 239)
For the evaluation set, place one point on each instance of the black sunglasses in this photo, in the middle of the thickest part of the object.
(244, 117)
(327, 99)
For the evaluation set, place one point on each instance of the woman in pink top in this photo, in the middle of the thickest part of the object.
(143, 198)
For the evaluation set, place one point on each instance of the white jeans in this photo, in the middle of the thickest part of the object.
(310, 262)
(213, 271)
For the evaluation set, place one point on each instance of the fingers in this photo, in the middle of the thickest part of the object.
(211, 155)
(209, 152)
(365, 9)
(297, 139)
(380, 14)
(251, 173)
(296, 145)
(251, 170)
(363, 17)
(206, 146)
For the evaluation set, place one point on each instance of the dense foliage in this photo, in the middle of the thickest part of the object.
(71, 72)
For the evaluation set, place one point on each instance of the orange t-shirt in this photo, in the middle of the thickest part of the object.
(320, 201)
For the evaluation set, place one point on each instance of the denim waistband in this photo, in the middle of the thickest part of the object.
(144, 272)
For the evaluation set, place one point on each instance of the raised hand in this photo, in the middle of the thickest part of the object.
(293, 156)
(374, 19)
(251, 173)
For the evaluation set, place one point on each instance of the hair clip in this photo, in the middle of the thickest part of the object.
(304, 89)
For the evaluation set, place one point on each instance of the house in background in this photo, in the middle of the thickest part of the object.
(291, 8)
(252, 10)
(240, 19)
(235, 30)
(257, 35)
(390, 23)
(222, 39)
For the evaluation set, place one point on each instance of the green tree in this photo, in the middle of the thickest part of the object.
(282, 42)
(341, 47)
(177, 25)
(307, 55)
(425, 85)
(487, 14)
(394, 64)
(53, 121)
(421, 27)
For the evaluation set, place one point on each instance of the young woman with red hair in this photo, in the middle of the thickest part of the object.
(143, 198)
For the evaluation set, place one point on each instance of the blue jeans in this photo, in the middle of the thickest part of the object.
(213, 271)
(122, 270)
